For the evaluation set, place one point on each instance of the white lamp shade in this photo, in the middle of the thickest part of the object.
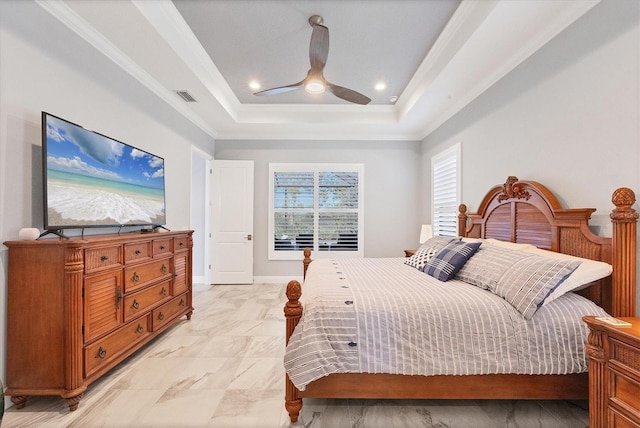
(425, 233)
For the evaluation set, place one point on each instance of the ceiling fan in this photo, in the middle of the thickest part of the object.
(315, 83)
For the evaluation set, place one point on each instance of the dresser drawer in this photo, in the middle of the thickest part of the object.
(140, 275)
(180, 243)
(137, 251)
(618, 420)
(625, 391)
(168, 311)
(162, 246)
(104, 351)
(102, 257)
(145, 299)
(625, 355)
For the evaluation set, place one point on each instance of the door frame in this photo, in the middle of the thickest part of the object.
(201, 203)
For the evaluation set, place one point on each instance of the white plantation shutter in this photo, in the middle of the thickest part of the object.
(445, 191)
(317, 206)
(293, 209)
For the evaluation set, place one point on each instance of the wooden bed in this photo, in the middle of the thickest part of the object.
(517, 211)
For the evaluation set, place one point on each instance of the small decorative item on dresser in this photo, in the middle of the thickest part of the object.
(29, 234)
(614, 372)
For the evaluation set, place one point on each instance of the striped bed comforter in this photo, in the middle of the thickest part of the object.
(381, 316)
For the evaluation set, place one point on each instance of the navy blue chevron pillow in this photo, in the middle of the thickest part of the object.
(450, 259)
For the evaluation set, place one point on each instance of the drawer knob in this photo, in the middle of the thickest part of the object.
(138, 251)
(160, 316)
(101, 353)
(140, 329)
(135, 277)
(181, 244)
(104, 258)
(163, 269)
(162, 247)
(135, 304)
(163, 291)
(182, 302)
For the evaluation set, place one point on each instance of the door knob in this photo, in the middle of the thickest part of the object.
(249, 237)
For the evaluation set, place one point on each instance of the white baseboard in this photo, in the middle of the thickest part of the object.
(275, 279)
(200, 280)
(257, 279)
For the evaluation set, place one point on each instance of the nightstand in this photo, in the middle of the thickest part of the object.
(409, 253)
(614, 373)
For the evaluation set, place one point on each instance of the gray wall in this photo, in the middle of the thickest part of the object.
(38, 72)
(391, 220)
(569, 117)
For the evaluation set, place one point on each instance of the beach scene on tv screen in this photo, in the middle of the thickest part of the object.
(93, 180)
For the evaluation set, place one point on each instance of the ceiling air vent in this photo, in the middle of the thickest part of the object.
(186, 96)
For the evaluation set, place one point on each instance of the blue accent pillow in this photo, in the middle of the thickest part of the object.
(450, 259)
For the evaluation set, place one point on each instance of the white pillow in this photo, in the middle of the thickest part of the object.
(509, 245)
(588, 271)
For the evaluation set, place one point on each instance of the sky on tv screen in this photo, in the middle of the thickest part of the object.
(93, 180)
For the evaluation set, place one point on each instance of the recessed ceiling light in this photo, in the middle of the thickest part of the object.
(254, 85)
(380, 86)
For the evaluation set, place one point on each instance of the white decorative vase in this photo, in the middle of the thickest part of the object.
(29, 234)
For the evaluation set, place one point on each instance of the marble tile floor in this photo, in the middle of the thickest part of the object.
(223, 368)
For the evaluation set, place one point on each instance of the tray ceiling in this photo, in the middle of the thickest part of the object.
(435, 56)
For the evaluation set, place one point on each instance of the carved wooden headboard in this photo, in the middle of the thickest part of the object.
(527, 212)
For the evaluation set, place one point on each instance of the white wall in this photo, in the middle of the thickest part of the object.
(569, 118)
(391, 219)
(37, 73)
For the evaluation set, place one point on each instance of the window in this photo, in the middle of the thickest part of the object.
(319, 206)
(445, 191)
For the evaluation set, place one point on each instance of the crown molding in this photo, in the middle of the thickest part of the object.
(82, 28)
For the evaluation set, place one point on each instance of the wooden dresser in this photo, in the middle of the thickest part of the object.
(614, 374)
(79, 306)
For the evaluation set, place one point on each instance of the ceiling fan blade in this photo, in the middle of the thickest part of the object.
(280, 89)
(348, 94)
(319, 47)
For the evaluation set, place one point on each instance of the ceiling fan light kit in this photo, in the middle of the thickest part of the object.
(315, 83)
(314, 87)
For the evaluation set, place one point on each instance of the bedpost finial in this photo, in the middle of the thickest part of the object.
(294, 290)
(462, 209)
(623, 198)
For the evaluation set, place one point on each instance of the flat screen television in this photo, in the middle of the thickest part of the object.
(91, 180)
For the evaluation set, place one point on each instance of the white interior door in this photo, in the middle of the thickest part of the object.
(232, 222)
